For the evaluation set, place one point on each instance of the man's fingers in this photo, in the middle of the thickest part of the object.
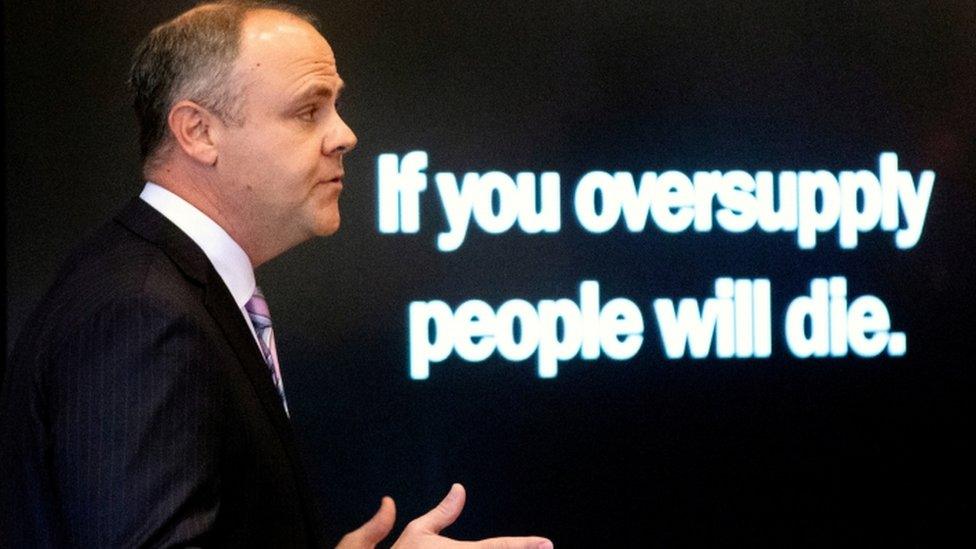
(380, 525)
(444, 514)
(530, 542)
(374, 530)
(424, 530)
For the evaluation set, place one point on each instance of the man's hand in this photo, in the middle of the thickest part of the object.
(424, 531)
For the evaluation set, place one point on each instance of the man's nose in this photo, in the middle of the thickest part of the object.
(342, 140)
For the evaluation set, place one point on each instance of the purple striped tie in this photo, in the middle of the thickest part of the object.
(257, 309)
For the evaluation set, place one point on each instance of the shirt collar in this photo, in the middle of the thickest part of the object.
(228, 258)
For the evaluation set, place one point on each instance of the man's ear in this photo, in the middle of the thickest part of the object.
(193, 130)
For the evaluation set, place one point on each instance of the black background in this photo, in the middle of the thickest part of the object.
(647, 451)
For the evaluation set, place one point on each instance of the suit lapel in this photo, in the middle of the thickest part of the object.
(225, 311)
(148, 223)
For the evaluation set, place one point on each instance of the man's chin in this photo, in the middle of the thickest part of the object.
(327, 227)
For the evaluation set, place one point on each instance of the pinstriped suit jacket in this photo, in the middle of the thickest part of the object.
(138, 411)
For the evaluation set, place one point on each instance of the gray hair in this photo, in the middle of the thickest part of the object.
(192, 57)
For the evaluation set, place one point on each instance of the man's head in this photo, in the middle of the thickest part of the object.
(236, 103)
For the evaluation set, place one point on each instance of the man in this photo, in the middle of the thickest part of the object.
(145, 403)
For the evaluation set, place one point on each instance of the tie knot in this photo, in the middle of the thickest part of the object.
(257, 305)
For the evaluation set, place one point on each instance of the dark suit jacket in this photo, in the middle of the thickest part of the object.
(138, 411)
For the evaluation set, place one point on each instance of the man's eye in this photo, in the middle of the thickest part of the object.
(308, 115)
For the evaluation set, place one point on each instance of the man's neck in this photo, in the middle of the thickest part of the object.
(199, 190)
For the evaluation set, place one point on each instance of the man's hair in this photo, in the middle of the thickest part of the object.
(192, 57)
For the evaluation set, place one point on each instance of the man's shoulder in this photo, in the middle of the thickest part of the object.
(115, 263)
(110, 269)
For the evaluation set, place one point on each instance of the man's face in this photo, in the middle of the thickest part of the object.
(281, 170)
